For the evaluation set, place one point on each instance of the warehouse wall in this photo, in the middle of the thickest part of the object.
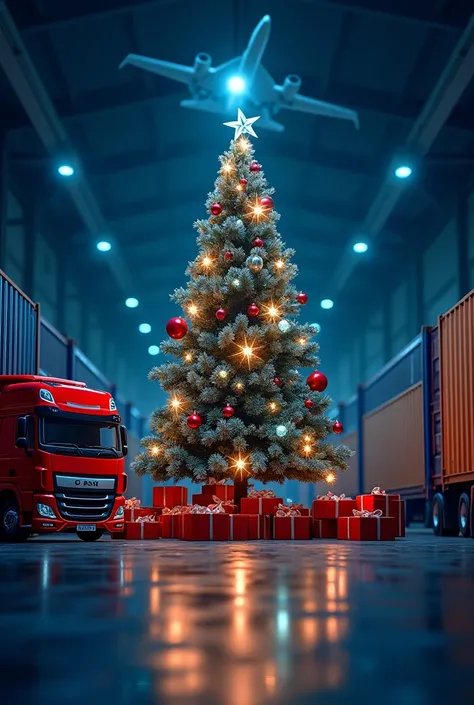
(425, 290)
(34, 266)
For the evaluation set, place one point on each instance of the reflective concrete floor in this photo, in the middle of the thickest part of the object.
(237, 624)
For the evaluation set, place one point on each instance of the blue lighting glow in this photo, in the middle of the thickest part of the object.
(144, 328)
(236, 84)
(131, 302)
(65, 170)
(360, 247)
(316, 327)
(327, 303)
(403, 171)
(154, 350)
(104, 246)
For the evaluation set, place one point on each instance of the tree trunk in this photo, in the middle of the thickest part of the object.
(240, 490)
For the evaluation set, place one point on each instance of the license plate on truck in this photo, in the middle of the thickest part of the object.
(86, 527)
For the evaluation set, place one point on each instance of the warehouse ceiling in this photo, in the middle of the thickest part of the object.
(149, 164)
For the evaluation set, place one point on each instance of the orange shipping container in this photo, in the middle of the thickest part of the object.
(393, 444)
(456, 349)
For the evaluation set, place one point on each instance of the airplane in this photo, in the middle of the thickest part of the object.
(214, 89)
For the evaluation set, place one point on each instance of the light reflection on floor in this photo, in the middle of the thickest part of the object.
(236, 624)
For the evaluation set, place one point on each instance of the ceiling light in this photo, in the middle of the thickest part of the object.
(360, 247)
(154, 350)
(131, 302)
(104, 246)
(327, 303)
(403, 171)
(144, 328)
(65, 170)
(236, 84)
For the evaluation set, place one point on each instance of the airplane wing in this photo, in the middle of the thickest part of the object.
(303, 104)
(175, 72)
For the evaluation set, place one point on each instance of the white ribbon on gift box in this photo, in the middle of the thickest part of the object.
(375, 494)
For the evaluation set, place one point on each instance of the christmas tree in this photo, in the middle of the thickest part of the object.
(238, 407)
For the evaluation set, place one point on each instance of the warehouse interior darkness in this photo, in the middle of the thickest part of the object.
(113, 587)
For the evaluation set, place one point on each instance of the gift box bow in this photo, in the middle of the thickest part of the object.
(258, 494)
(288, 511)
(330, 495)
(212, 509)
(132, 503)
(378, 490)
(213, 481)
(364, 514)
(145, 520)
(179, 509)
(220, 503)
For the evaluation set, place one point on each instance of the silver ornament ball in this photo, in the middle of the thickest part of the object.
(281, 431)
(254, 263)
(284, 326)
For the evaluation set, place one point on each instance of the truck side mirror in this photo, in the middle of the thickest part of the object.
(22, 433)
(123, 438)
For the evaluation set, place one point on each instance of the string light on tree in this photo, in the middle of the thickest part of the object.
(279, 264)
(154, 450)
(236, 283)
(223, 374)
(302, 342)
(330, 478)
(176, 404)
(248, 352)
(272, 311)
(240, 465)
(273, 406)
(192, 309)
(188, 357)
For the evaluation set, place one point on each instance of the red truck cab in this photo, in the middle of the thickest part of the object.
(62, 459)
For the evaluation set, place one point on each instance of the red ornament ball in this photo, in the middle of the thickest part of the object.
(177, 328)
(194, 421)
(317, 381)
(216, 209)
(277, 381)
(221, 313)
(243, 182)
(228, 255)
(253, 310)
(258, 242)
(309, 404)
(228, 411)
(255, 166)
(267, 203)
(302, 298)
(338, 427)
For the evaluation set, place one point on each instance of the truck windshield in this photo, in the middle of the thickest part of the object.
(82, 434)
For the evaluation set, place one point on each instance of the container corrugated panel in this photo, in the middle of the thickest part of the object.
(347, 482)
(19, 330)
(456, 348)
(404, 371)
(393, 444)
(86, 372)
(53, 351)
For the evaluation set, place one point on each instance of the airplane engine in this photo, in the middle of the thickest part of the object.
(202, 64)
(291, 87)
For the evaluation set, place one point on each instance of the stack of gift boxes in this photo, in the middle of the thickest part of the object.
(213, 516)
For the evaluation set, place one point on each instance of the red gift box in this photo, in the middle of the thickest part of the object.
(239, 527)
(333, 507)
(170, 496)
(205, 527)
(259, 505)
(260, 526)
(225, 492)
(291, 528)
(136, 530)
(137, 512)
(378, 499)
(325, 528)
(367, 528)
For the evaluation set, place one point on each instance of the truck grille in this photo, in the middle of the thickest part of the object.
(78, 505)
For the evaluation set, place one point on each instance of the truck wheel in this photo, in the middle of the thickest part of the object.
(443, 522)
(463, 515)
(10, 529)
(90, 535)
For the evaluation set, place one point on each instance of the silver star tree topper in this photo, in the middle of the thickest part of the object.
(243, 125)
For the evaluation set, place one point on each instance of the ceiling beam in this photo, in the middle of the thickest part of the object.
(68, 13)
(193, 148)
(453, 81)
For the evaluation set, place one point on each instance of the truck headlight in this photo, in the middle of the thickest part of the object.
(44, 510)
(119, 513)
